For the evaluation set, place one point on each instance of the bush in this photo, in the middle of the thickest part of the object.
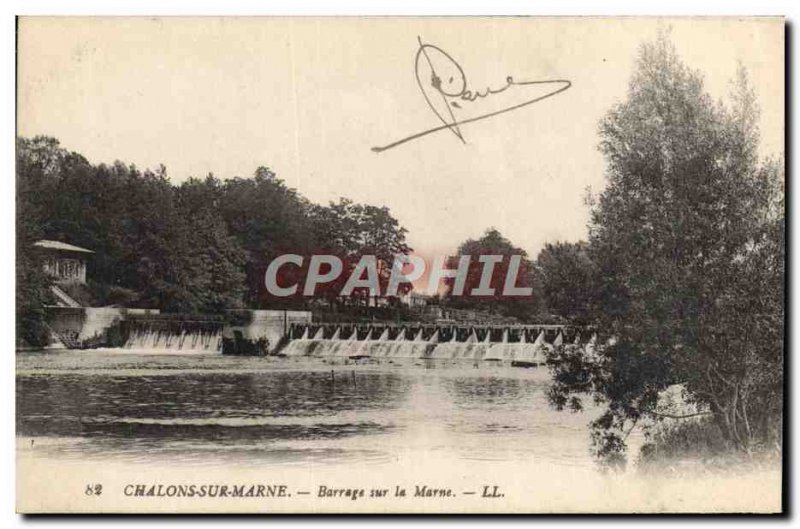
(684, 446)
(687, 438)
(238, 346)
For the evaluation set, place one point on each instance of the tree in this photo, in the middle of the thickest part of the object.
(37, 160)
(687, 240)
(166, 244)
(202, 246)
(565, 274)
(215, 258)
(268, 219)
(492, 243)
(350, 230)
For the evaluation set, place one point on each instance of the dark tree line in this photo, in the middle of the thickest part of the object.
(492, 242)
(200, 246)
(561, 279)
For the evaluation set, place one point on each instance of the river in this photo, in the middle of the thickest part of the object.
(110, 413)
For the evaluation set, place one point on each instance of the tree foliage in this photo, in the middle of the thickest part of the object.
(687, 243)
(564, 275)
(492, 242)
(201, 246)
(350, 230)
(269, 219)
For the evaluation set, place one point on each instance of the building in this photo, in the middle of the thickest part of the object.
(64, 262)
(415, 299)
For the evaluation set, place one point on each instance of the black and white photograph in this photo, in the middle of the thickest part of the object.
(400, 264)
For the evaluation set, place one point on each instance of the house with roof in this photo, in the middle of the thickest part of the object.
(65, 263)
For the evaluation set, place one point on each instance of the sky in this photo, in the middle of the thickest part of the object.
(310, 97)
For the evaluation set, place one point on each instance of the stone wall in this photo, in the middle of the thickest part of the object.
(271, 325)
(83, 323)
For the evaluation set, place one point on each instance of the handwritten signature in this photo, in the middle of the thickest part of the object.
(448, 80)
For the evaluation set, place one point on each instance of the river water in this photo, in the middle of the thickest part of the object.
(304, 418)
(207, 408)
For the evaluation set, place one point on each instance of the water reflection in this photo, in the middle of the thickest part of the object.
(209, 408)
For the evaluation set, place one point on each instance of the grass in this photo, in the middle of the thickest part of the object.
(691, 446)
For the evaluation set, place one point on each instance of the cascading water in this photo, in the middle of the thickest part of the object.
(397, 346)
(415, 347)
(455, 350)
(444, 350)
(163, 336)
(525, 354)
(329, 347)
(481, 349)
(409, 345)
(496, 352)
(520, 353)
(375, 348)
(344, 347)
(296, 347)
(336, 346)
(305, 345)
(317, 343)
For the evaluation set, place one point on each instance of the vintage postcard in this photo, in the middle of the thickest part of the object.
(400, 265)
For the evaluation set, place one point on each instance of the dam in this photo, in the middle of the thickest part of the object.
(294, 334)
(519, 345)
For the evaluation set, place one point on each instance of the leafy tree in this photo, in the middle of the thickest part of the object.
(564, 274)
(268, 219)
(202, 246)
(216, 259)
(37, 160)
(146, 235)
(491, 243)
(350, 230)
(687, 239)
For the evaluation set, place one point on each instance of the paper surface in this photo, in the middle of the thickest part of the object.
(457, 125)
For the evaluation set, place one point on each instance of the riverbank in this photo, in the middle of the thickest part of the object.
(692, 447)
